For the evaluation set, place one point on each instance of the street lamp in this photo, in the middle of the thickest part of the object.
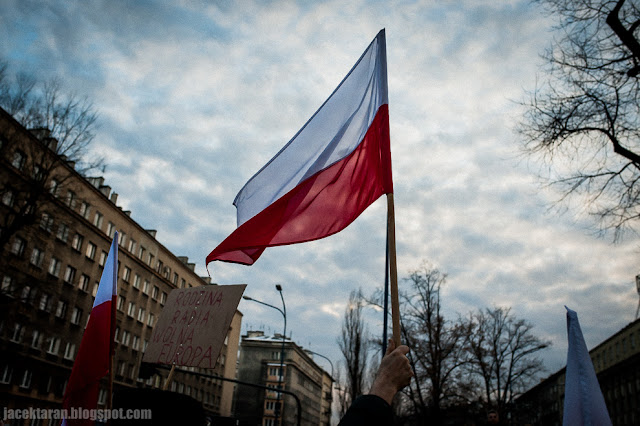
(320, 355)
(283, 311)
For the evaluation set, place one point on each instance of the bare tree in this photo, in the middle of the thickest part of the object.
(40, 168)
(354, 345)
(437, 346)
(586, 109)
(503, 353)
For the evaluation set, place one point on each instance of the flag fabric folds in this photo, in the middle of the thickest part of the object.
(583, 400)
(92, 362)
(337, 165)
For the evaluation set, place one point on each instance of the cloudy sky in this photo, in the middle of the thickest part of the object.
(195, 96)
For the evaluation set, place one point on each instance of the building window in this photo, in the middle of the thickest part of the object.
(54, 267)
(163, 298)
(150, 259)
(9, 198)
(26, 294)
(156, 291)
(36, 257)
(141, 253)
(18, 159)
(46, 222)
(36, 339)
(111, 229)
(25, 382)
(18, 246)
(123, 239)
(71, 199)
(103, 258)
(61, 310)
(45, 302)
(135, 343)
(150, 319)
(69, 274)
(76, 244)
(54, 188)
(136, 281)
(120, 305)
(174, 280)
(95, 289)
(18, 332)
(83, 283)
(145, 287)
(63, 233)
(8, 286)
(69, 351)
(127, 274)
(125, 338)
(54, 346)
(132, 309)
(102, 397)
(97, 220)
(141, 314)
(183, 283)
(132, 246)
(91, 250)
(7, 372)
(274, 371)
(76, 316)
(85, 208)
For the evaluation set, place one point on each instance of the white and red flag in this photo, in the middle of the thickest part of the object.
(337, 165)
(93, 360)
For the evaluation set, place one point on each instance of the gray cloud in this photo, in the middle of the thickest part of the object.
(196, 97)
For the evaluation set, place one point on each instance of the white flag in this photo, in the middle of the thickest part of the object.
(583, 401)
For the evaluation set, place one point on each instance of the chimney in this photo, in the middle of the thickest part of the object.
(152, 232)
(113, 198)
(96, 181)
(105, 189)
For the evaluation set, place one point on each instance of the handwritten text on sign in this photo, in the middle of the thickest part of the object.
(193, 325)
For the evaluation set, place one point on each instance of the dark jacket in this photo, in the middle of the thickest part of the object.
(368, 410)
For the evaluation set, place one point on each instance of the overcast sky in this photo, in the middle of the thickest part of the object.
(195, 96)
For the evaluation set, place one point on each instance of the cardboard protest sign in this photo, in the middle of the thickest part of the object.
(193, 325)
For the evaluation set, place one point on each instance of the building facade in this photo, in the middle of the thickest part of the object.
(617, 365)
(259, 363)
(50, 270)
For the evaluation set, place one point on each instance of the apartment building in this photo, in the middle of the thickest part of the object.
(259, 363)
(50, 270)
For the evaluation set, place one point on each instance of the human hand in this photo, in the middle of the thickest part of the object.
(394, 372)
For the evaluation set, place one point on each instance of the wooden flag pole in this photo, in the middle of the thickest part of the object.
(395, 303)
(169, 378)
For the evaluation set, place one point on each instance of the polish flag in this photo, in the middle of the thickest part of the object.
(93, 360)
(583, 400)
(337, 165)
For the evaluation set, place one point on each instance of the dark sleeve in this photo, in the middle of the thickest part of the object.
(368, 410)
